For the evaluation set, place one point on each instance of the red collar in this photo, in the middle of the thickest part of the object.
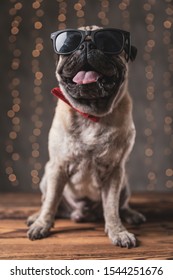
(58, 93)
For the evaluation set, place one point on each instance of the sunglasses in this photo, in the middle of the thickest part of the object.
(108, 40)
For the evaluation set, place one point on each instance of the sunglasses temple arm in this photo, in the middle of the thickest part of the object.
(128, 48)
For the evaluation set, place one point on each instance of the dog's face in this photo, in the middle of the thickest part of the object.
(92, 81)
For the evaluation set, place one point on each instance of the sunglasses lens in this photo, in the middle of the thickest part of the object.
(67, 41)
(109, 41)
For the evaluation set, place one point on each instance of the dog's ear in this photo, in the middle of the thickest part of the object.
(133, 53)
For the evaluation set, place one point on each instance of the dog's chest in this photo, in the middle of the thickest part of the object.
(92, 153)
(94, 144)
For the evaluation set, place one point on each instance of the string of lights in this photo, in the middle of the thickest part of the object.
(102, 14)
(124, 8)
(62, 14)
(167, 81)
(12, 113)
(80, 14)
(150, 93)
(35, 104)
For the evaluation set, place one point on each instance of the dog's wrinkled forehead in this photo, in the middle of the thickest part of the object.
(90, 28)
(95, 27)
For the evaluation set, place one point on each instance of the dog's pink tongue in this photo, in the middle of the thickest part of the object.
(83, 77)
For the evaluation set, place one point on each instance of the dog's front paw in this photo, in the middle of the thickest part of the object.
(39, 229)
(122, 238)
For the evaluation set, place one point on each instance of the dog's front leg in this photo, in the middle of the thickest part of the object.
(56, 180)
(110, 197)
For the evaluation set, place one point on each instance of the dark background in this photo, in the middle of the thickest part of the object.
(27, 67)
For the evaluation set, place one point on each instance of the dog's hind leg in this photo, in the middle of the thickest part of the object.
(31, 219)
(126, 212)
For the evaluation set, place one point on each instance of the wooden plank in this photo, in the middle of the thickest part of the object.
(69, 240)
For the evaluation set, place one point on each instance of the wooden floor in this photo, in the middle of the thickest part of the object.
(69, 240)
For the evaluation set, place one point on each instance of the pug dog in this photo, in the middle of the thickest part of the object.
(91, 136)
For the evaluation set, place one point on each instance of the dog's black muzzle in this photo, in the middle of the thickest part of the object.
(106, 73)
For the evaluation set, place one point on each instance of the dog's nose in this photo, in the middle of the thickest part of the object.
(87, 45)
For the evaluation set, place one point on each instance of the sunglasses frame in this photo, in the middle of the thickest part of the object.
(126, 46)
